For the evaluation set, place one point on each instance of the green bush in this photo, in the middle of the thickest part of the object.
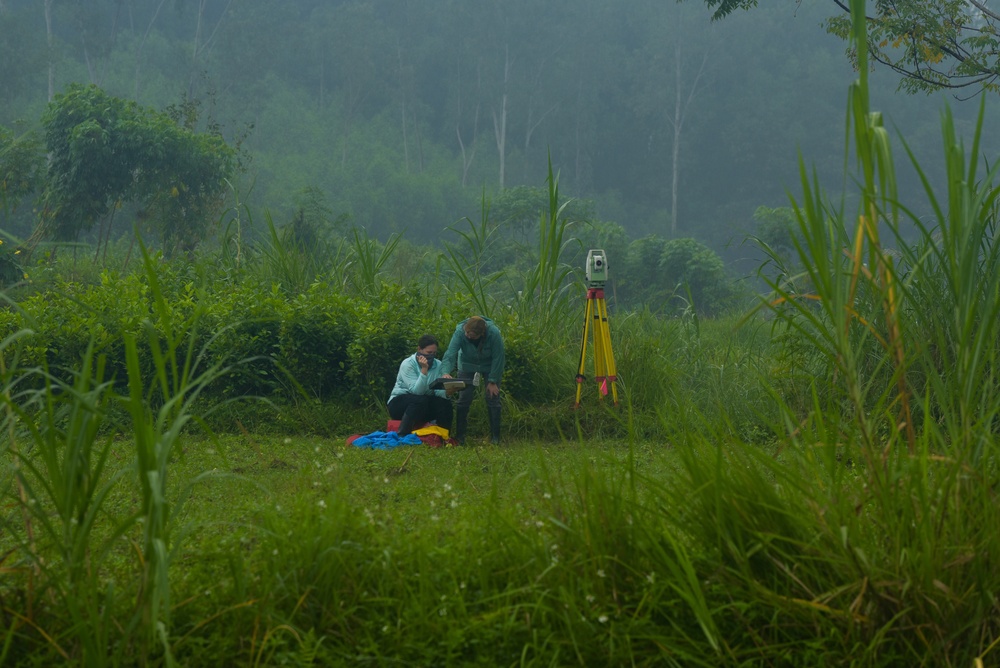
(315, 337)
(698, 276)
(385, 331)
(246, 322)
(531, 371)
(65, 319)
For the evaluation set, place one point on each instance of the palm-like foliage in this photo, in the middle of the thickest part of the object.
(545, 295)
(468, 265)
(365, 261)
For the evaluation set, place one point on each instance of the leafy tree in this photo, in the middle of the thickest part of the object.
(22, 163)
(519, 209)
(776, 227)
(933, 44)
(698, 274)
(640, 281)
(105, 151)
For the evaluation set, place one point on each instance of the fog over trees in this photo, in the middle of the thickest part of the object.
(401, 115)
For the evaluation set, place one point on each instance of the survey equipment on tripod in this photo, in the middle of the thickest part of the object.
(597, 268)
(596, 319)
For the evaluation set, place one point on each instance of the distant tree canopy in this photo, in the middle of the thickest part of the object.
(675, 275)
(933, 44)
(21, 167)
(402, 114)
(519, 209)
(105, 151)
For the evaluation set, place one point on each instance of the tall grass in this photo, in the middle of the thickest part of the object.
(285, 262)
(544, 297)
(467, 263)
(159, 413)
(59, 436)
(578, 573)
(366, 258)
(951, 298)
(59, 457)
(868, 527)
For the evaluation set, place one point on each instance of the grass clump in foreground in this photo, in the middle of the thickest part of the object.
(300, 551)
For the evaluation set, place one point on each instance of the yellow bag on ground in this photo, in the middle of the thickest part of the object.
(432, 435)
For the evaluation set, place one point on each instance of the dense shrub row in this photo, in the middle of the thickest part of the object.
(320, 344)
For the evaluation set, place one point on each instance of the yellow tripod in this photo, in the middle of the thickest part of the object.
(604, 358)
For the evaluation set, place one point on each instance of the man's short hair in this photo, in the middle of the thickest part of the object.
(475, 327)
(427, 340)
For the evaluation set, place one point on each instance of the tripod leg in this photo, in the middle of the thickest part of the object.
(600, 354)
(609, 355)
(583, 348)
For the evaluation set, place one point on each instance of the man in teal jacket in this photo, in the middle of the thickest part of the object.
(476, 347)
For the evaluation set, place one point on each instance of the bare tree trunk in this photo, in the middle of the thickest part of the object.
(200, 46)
(467, 157)
(197, 30)
(500, 125)
(138, 51)
(533, 123)
(51, 44)
(675, 170)
(322, 75)
(420, 143)
(578, 157)
(114, 38)
(344, 143)
(406, 149)
(91, 74)
(500, 134)
(680, 111)
(402, 105)
(195, 48)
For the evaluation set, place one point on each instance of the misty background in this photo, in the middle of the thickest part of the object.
(401, 116)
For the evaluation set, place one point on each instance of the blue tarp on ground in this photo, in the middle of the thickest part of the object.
(385, 440)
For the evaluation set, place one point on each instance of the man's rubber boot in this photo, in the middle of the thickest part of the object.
(461, 423)
(494, 414)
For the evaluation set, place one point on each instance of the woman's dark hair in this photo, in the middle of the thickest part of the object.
(427, 340)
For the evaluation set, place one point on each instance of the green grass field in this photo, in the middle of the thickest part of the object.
(810, 484)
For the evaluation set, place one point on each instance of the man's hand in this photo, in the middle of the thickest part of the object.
(492, 389)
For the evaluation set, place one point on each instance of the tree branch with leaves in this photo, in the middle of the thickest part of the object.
(932, 44)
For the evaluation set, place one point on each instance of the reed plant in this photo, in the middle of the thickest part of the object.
(231, 254)
(58, 436)
(286, 262)
(468, 263)
(545, 293)
(866, 527)
(950, 299)
(365, 260)
(55, 435)
(159, 412)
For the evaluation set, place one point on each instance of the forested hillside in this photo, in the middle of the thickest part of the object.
(400, 116)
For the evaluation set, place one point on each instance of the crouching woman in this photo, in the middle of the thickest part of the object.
(412, 402)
